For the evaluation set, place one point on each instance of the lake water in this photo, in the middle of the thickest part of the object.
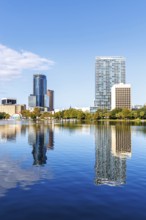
(72, 171)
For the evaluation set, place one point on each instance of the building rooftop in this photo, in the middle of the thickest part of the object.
(121, 85)
(8, 98)
(35, 75)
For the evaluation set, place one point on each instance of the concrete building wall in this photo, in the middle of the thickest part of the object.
(12, 109)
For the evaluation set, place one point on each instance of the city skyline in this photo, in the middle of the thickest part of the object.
(61, 41)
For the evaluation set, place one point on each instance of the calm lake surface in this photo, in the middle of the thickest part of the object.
(72, 171)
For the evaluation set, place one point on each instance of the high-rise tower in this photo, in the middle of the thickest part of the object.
(39, 97)
(39, 88)
(108, 71)
(50, 94)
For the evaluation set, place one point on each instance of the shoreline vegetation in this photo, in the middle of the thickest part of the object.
(71, 114)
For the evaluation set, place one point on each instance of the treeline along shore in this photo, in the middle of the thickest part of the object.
(71, 113)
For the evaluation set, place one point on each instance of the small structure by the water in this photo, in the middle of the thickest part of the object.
(17, 116)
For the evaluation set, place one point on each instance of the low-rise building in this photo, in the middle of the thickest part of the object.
(121, 96)
(12, 109)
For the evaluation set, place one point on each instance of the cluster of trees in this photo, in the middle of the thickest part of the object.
(128, 114)
(101, 114)
(4, 115)
(35, 114)
(72, 113)
(65, 114)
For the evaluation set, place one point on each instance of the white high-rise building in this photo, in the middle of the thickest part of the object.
(108, 71)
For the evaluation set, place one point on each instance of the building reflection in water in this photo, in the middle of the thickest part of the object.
(112, 146)
(41, 138)
(121, 141)
(10, 132)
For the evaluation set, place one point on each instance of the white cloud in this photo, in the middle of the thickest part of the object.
(12, 62)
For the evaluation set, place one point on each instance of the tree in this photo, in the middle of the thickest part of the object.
(96, 116)
(26, 113)
(119, 115)
(88, 116)
(2, 115)
(134, 114)
(46, 115)
(113, 113)
(37, 112)
(58, 115)
(141, 114)
(106, 115)
(125, 113)
(80, 115)
(7, 116)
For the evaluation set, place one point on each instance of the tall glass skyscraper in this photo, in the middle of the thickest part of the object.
(39, 88)
(108, 71)
(39, 97)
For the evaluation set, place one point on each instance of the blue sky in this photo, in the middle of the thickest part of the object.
(61, 38)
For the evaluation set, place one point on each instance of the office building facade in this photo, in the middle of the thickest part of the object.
(108, 71)
(39, 97)
(39, 88)
(121, 96)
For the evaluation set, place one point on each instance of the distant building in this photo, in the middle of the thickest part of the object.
(32, 101)
(135, 107)
(50, 94)
(39, 97)
(8, 101)
(12, 109)
(121, 96)
(84, 109)
(39, 89)
(108, 71)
